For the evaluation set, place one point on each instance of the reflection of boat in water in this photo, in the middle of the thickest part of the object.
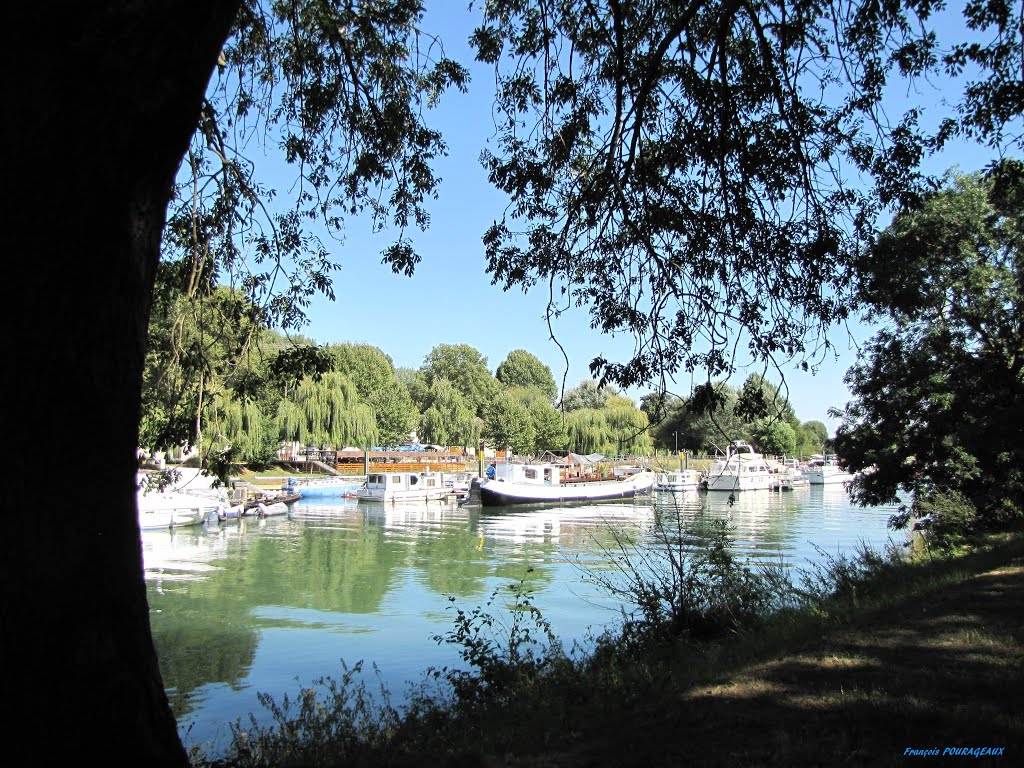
(542, 484)
(331, 510)
(180, 554)
(523, 524)
(742, 469)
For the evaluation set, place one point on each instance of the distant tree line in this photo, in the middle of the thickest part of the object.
(716, 414)
(236, 389)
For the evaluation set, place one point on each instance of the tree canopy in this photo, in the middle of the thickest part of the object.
(717, 414)
(466, 369)
(937, 392)
(701, 175)
(523, 369)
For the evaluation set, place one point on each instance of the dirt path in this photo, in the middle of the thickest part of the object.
(946, 673)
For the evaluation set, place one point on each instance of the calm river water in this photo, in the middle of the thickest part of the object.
(269, 606)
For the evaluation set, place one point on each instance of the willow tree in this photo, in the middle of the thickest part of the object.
(200, 344)
(627, 426)
(239, 429)
(588, 430)
(327, 411)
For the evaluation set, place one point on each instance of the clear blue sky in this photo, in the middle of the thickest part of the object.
(450, 300)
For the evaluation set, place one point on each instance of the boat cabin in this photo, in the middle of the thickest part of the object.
(532, 474)
(404, 481)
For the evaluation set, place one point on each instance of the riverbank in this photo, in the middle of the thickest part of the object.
(917, 656)
(938, 668)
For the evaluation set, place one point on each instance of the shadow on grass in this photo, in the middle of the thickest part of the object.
(941, 673)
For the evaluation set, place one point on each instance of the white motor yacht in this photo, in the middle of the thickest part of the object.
(742, 469)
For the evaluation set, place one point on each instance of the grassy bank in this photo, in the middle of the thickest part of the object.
(874, 656)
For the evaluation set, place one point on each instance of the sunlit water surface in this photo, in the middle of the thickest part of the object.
(253, 607)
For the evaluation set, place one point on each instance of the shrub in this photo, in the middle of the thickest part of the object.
(504, 655)
(946, 519)
(329, 723)
(687, 584)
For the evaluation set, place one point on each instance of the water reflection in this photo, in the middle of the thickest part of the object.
(251, 606)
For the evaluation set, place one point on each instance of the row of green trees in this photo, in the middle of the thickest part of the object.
(217, 380)
(235, 389)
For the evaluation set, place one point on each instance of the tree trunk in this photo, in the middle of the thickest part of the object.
(100, 103)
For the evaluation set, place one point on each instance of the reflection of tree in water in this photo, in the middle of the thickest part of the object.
(454, 562)
(216, 644)
(335, 570)
(205, 630)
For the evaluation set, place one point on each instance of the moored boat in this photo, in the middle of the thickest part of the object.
(679, 480)
(741, 469)
(542, 484)
(826, 471)
(274, 509)
(171, 509)
(393, 487)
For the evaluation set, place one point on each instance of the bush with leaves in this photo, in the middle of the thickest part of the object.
(688, 584)
(504, 656)
(331, 722)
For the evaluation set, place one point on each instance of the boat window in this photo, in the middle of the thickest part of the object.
(413, 480)
(531, 474)
(431, 482)
(547, 473)
(394, 479)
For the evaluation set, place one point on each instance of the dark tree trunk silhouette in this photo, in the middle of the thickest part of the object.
(101, 101)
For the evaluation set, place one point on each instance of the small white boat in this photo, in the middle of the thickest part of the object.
(825, 471)
(274, 509)
(231, 512)
(171, 509)
(393, 487)
(188, 498)
(679, 480)
(542, 484)
(786, 475)
(742, 469)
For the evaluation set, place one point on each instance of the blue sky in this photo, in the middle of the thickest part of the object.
(450, 300)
